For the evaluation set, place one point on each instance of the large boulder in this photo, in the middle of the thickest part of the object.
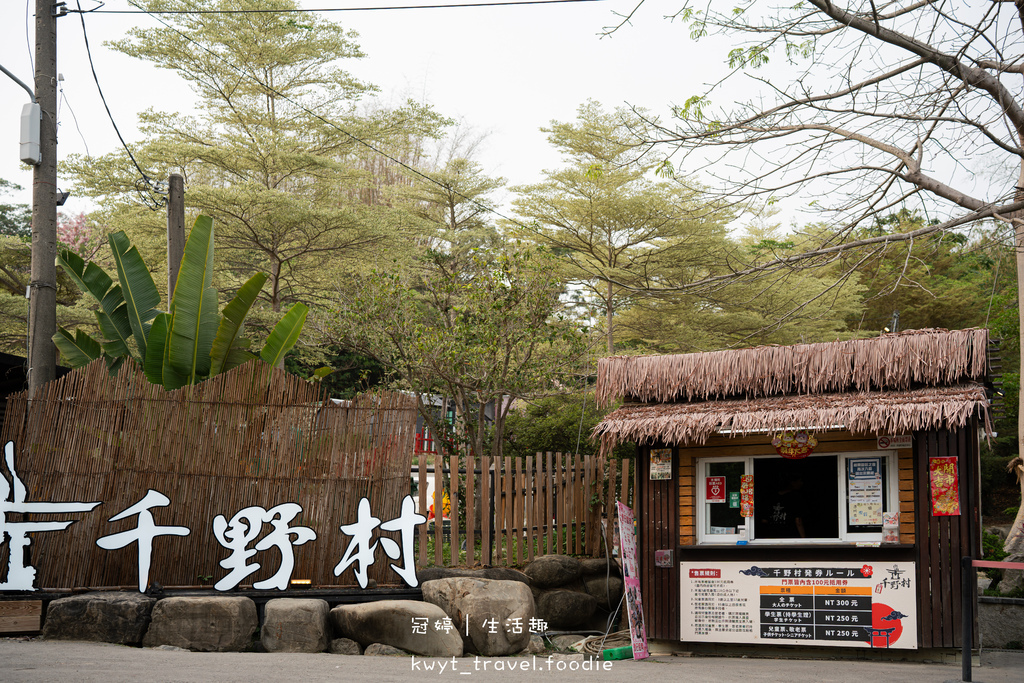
(496, 573)
(1012, 578)
(498, 613)
(549, 571)
(599, 566)
(345, 646)
(382, 650)
(399, 623)
(114, 617)
(607, 591)
(566, 610)
(203, 624)
(295, 625)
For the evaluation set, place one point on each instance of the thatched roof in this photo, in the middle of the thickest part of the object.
(892, 361)
(863, 412)
(893, 384)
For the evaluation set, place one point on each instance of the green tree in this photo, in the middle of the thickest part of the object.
(15, 219)
(273, 152)
(560, 423)
(615, 230)
(478, 328)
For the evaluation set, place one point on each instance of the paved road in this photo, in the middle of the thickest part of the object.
(73, 662)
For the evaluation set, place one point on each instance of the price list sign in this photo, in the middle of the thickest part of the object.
(872, 605)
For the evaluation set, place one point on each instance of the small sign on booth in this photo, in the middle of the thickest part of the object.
(715, 490)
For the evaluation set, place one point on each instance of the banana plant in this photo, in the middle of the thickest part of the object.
(188, 343)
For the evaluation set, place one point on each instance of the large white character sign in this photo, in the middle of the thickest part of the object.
(360, 550)
(144, 533)
(244, 528)
(12, 499)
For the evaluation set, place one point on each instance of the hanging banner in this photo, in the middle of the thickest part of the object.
(631, 579)
(746, 495)
(865, 604)
(661, 464)
(945, 484)
(794, 445)
(715, 490)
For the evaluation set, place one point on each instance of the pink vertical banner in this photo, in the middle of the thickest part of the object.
(631, 579)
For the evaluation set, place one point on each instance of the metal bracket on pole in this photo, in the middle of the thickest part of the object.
(59, 9)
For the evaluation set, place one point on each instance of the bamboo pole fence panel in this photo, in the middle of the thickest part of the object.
(250, 437)
(453, 483)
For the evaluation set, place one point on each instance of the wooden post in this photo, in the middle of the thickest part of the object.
(422, 476)
(549, 509)
(438, 512)
(471, 513)
(486, 511)
(453, 483)
(175, 229)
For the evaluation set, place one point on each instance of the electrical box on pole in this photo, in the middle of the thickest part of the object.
(31, 149)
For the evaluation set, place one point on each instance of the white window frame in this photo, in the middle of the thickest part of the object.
(889, 504)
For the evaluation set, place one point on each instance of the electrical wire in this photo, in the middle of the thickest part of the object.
(154, 199)
(64, 98)
(460, 5)
(321, 118)
(28, 40)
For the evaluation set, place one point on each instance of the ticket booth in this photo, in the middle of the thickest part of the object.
(809, 495)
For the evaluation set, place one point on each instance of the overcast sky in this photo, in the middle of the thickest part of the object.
(505, 71)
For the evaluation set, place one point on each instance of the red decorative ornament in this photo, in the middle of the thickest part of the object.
(794, 445)
(867, 570)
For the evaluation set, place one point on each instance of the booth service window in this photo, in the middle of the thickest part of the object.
(823, 498)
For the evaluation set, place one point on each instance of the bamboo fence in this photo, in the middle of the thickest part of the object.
(254, 436)
(520, 508)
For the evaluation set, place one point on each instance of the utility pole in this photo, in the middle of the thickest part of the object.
(42, 305)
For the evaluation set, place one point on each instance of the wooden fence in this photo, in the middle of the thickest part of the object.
(506, 511)
(252, 437)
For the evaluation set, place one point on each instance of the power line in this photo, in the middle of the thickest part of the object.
(461, 5)
(64, 99)
(153, 186)
(321, 118)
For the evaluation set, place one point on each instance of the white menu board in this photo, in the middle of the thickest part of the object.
(872, 604)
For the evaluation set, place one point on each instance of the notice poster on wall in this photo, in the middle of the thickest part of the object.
(864, 484)
(631, 579)
(945, 485)
(661, 464)
(869, 605)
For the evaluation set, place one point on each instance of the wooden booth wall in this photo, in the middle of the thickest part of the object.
(658, 529)
(942, 540)
(828, 442)
(254, 436)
